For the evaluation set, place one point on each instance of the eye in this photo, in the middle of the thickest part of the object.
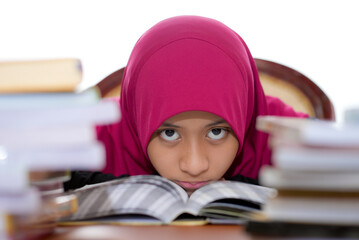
(217, 133)
(169, 135)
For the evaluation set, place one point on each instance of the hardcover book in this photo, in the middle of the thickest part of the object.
(103, 112)
(309, 179)
(90, 156)
(53, 75)
(306, 131)
(48, 100)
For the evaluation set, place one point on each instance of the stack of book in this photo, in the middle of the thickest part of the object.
(47, 128)
(316, 172)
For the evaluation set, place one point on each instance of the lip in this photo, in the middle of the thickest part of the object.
(192, 185)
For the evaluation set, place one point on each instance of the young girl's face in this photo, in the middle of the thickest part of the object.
(193, 148)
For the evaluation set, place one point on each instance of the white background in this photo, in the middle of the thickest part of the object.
(316, 37)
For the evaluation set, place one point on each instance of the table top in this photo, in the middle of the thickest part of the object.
(106, 232)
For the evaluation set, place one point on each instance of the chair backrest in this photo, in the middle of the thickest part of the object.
(277, 80)
(295, 89)
(110, 86)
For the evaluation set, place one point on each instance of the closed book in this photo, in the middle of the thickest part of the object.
(162, 199)
(315, 159)
(24, 202)
(51, 182)
(310, 131)
(52, 209)
(53, 75)
(51, 188)
(37, 225)
(80, 157)
(48, 177)
(100, 113)
(48, 136)
(27, 231)
(296, 230)
(22, 101)
(337, 210)
(17, 173)
(309, 180)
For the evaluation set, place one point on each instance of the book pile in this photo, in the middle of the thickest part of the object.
(316, 172)
(46, 129)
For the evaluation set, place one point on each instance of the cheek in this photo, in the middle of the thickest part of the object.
(222, 156)
(163, 159)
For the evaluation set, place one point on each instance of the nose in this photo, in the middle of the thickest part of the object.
(194, 161)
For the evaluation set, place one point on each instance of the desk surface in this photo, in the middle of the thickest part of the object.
(207, 232)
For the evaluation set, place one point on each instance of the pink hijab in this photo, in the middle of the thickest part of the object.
(189, 63)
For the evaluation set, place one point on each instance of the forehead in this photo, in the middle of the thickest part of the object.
(194, 115)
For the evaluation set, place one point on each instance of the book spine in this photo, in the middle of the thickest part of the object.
(40, 224)
(55, 75)
(331, 135)
(311, 180)
(292, 158)
(48, 136)
(311, 132)
(48, 177)
(101, 113)
(322, 210)
(17, 172)
(82, 157)
(33, 101)
(25, 202)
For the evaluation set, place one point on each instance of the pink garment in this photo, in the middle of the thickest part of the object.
(189, 63)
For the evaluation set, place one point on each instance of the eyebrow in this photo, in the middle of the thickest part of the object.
(216, 123)
(208, 125)
(169, 125)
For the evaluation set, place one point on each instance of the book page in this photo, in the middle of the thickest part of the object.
(227, 190)
(147, 195)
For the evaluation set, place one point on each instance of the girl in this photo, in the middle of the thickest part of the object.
(189, 101)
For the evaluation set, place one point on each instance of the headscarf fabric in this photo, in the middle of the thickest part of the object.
(189, 63)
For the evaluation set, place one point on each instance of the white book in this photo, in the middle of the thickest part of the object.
(17, 173)
(48, 136)
(310, 131)
(311, 159)
(21, 101)
(321, 210)
(309, 179)
(78, 157)
(24, 202)
(100, 113)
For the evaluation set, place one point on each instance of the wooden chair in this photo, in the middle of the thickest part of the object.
(295, 89)
(110, 86)
(277, 80)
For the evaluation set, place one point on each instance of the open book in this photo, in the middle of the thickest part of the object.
(164, 200)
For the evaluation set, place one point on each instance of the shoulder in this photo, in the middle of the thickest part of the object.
(277, 107)
(241, 178)
(81, 178)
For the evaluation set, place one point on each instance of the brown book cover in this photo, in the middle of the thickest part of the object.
(53, 75)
